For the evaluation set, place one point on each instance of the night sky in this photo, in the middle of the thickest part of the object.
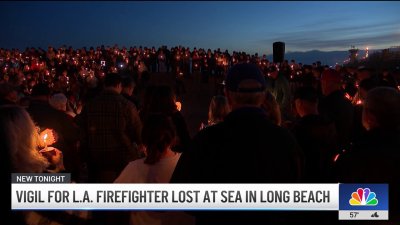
(242, 26)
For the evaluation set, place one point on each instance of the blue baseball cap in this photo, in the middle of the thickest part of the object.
(245, 71)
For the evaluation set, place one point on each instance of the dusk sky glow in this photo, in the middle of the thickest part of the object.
(241, 26)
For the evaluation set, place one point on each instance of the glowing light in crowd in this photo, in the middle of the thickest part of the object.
(348, 96)
(336, 157)
(178, 106)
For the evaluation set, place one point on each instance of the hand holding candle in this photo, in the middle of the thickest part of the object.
(55, 157)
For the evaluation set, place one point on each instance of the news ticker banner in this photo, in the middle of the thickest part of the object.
(55, 192)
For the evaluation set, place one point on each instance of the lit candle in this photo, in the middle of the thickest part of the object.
(44, 140)
(178, 106)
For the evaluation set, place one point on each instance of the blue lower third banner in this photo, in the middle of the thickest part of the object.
(363, 202)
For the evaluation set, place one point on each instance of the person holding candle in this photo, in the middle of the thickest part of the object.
(335, 106)
(19, 142)
(45, 116)
(378, 146)
(161, 99)
(162, 65)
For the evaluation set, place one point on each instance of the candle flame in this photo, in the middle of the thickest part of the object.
(45, 137)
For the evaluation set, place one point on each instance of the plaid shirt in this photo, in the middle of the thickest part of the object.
(111, 128)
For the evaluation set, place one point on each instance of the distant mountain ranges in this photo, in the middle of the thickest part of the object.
(326, 58)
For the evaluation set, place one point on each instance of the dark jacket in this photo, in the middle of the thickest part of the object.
(244, 148)
(110, 126)
(182, 132)
(336, 107)
(316, 136)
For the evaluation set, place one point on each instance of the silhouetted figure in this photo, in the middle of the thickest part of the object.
(335, 106)
(316, 136)
(245, 148)
(378, 147)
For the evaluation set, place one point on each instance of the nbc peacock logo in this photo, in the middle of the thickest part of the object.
(363, 197)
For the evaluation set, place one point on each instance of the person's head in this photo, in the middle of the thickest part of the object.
(113, 81)
(366, 85)
(382, 109)
(306, 101)
(158, 135)
(19, 139)
(8, 92)
(162, 100)
(331, 81)
(91, 82)
(40, 90)
(271, 107)
(245, 86)
(128, 85)
(218, 109)
(273, 72)
(59, 101)
(363, 73)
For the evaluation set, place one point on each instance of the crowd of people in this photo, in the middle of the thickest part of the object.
(271, 123)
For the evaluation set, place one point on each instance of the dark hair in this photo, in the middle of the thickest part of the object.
(271, 107)
(157, 134)
(218, 108)
(368, 84)
(384, 104)
(307, 94)
(127, 82)
(40, 89)
(6, 89)
(161, 99)
(112, 80)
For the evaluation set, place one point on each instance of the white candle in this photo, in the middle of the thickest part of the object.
(44, 139)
